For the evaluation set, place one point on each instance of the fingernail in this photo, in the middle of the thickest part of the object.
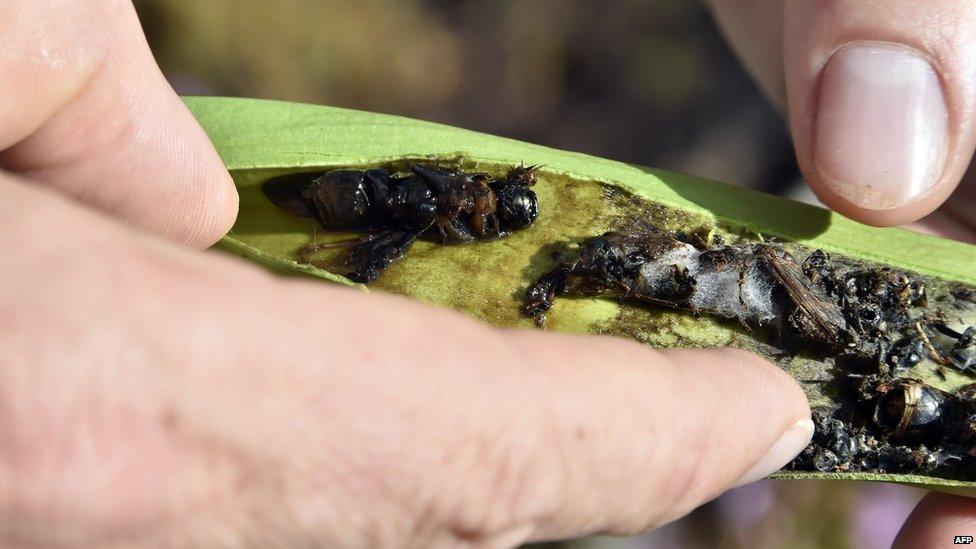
(881, 126)
(791, 443)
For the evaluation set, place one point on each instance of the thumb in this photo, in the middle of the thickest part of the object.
(881, 99)
(649, 436)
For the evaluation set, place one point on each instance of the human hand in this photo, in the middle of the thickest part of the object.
(880, 97)
(881, 100)
(153, 395)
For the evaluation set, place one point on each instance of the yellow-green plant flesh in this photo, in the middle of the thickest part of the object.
(579, 195)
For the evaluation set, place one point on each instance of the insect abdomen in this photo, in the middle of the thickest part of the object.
(733, 289)
(340, 199)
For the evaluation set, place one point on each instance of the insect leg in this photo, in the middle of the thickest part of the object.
(370, 258)
(452, 230)
(306, 252)
(963, 340)
(478, 224)
(539, 297)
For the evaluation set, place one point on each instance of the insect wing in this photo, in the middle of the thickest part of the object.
(286, 192)
(825, 315)
(439, 180)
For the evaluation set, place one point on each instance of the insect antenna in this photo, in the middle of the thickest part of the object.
(522, 175)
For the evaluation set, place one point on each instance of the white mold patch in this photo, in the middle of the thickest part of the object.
(741, 289)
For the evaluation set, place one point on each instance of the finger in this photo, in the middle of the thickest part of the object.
(881, 101)
(514, 436)
(86, 110)
(652, 435)
(937, 520)
(291, 410)
(956, 219)
(944, 224)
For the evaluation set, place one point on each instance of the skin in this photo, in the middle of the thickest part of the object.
(785, 45)
(154, 395)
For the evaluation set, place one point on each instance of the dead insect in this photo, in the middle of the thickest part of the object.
(963, 340)
(880, 446)
(813, 317)
(827, 461)
(962, 359)
(964, 294)
(836, 446)
(820, 270)
(962, 355)
(905, 354)
(911, 410)
(758, 285)
(869, 316)
(445, 206)
(885, 287)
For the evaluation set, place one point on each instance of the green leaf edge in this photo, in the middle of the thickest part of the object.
(280, 265)
(264, 134)
(959, 487)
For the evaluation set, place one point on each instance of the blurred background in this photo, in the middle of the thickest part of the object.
(642, 81)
